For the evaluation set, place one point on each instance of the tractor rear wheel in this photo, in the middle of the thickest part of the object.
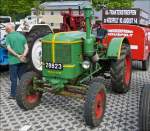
(121, 71)
(145, 64)
(35, 47)
(95, 103)
(26, 97)
(144, 113)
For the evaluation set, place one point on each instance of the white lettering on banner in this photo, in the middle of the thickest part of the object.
(134, 47)
(111, 20)
(125, 16)
(121, 12)
(121, 20)
(120, 32)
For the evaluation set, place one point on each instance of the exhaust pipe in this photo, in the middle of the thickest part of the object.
(89, 40)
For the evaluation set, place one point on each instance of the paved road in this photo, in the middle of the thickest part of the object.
(58, 113)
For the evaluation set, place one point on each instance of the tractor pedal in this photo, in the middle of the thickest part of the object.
(107, 75)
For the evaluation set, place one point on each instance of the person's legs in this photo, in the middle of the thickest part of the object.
(13, 79)
(21, 70)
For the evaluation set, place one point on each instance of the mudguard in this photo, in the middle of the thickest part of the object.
(114, 47)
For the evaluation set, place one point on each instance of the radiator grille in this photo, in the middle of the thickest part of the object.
(63, 53)
(46, 53)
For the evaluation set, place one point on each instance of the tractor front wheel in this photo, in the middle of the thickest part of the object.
(121, 71)
(95, 102)
(144, 111)
(26, 97)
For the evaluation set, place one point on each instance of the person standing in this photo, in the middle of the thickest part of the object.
(17, 51)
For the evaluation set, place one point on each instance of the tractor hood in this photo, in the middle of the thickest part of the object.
(62, 54)
(65, 37)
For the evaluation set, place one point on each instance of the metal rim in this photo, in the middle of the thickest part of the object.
(31, 96)
(37, 54)
(127, 70)
(99, 104)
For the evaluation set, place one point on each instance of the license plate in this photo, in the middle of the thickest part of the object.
(53, 66)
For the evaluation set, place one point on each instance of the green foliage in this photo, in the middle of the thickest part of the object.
(111, 4)
(18, 8)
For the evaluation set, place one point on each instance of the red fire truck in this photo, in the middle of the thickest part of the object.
(128, 23)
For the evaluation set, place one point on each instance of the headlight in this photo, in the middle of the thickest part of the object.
(86, 64)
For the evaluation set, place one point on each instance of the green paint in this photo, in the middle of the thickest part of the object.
(90, 75)
(88, 14)
(89, 41)
(68, 51)
(114, 47)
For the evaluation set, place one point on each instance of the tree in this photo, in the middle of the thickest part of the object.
(17, 9)
(98, 4)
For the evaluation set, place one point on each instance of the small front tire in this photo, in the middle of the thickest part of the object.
(95, 103)
(26, 97)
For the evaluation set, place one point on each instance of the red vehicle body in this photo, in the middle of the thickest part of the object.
(72, 22)
(138, 36)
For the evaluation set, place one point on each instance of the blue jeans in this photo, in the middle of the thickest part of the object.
(16, 71)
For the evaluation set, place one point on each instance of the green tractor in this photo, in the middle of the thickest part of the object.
(71, 62)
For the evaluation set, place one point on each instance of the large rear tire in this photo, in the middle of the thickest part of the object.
(144, 111)
(95, 103)
(26, 97)
(35, 47)
(121, 71)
